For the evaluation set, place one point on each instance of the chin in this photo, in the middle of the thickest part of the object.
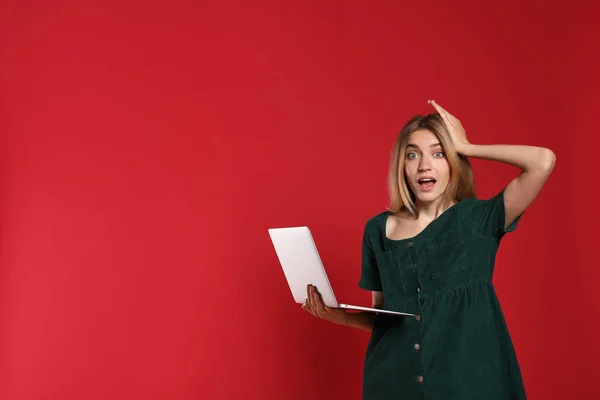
(428, 197)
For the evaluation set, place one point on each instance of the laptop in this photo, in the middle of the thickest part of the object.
(301, 264)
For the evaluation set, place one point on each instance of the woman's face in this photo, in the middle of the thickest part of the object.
(425, 166)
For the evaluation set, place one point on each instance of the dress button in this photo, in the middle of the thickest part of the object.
(420, 379)
(418, 317)
(410, 244)
(417, 346)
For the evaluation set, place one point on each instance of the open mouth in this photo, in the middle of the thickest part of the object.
(426, 184)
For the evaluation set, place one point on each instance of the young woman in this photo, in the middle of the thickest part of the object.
(432, 253)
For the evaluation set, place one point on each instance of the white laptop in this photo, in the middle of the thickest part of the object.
(302, 266)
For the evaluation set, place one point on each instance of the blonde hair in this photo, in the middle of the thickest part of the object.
(460, 185)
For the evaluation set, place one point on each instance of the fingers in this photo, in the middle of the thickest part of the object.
(443, 113)
(315, 305)
(451, 122)
(310, 300)
(438, 108)
(446, 116)
(314, 302)
(308, 303)
(320, 305)
(306, 307)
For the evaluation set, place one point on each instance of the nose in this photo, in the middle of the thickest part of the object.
(425, 164)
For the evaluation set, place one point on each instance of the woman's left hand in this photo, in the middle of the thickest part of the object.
(455, 128)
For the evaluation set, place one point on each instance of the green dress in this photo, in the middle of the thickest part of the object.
(458, 346)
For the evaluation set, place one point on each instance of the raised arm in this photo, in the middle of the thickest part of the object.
(536, 164)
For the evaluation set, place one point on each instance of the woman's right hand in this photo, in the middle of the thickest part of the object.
(314, 305)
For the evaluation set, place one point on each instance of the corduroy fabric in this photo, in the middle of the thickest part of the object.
(459, 347)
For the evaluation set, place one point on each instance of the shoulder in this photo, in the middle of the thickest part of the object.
(474, 203)
(471, 201)
(468, 209)
(485, 215)
(376, 221)
(375, 225)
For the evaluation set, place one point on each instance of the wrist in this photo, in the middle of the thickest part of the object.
(464, 148)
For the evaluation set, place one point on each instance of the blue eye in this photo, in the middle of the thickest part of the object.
(438, 154)
(411, 155)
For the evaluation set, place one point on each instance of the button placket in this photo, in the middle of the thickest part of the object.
(414, 265)
(419, 372)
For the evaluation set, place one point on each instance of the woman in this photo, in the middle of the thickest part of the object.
(432, 254)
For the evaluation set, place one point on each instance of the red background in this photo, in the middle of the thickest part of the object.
(147, 147)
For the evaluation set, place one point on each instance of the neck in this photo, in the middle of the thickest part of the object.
(431, 210)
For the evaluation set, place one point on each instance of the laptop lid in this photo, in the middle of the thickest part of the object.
(301, 263)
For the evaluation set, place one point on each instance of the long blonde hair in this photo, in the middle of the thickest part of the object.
(460, 185)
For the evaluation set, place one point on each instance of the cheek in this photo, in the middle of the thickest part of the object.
(409, 170)
(444, 170)
(410, 166)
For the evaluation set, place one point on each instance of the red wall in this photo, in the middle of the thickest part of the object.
(146, 148)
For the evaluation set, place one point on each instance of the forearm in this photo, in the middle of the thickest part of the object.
(360, 320)
(527, 158)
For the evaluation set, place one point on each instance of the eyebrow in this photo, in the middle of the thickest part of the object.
(416, 147)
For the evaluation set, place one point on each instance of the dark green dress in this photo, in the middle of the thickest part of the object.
(458, 346)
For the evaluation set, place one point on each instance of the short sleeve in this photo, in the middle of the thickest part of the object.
(370, 279)
(488, 217)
